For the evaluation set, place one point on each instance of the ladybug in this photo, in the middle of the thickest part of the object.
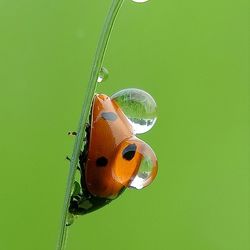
(112, 160)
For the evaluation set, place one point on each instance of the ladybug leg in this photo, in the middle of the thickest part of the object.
(75, 199)
(74, 205)
(72, 133)
(76, 189)
(80, 203)
(86, 203)
(68, 159)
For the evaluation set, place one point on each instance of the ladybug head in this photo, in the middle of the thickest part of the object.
(134, 163)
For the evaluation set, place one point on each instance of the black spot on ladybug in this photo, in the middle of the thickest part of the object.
(101, 161)
(109, 116)
(129, 152)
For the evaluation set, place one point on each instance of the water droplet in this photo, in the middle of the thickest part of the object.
(144, 174)
(139, 107)
(139, 170)
(139, 1)
(103, 75)
(70, 219)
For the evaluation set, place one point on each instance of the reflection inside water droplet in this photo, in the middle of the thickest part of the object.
(139, 107)
(143, 174)
(103, 75)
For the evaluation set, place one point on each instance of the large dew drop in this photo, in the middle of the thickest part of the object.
(134, 163)
(103, 75)
(139, 107)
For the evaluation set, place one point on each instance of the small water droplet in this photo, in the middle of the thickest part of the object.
(139, 107)
(103, 75)
(139, 1)
(70, 219)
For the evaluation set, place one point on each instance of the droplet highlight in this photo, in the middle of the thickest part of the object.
(139, 1)
(139, 107)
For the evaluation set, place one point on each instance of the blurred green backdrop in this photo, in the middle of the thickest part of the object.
(192, 57)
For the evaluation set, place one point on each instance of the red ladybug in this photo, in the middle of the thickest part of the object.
(113, 158)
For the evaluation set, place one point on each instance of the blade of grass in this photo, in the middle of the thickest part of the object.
(100, 52)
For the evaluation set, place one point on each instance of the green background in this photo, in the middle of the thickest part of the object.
(192, 56)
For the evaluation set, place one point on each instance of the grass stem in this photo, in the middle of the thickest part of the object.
(98, 60)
